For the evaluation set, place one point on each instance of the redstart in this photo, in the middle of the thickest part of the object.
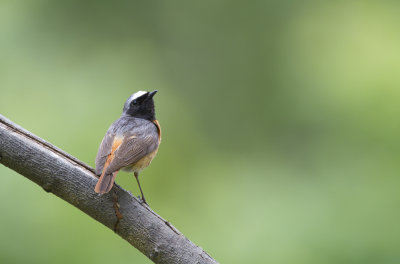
(130, 143)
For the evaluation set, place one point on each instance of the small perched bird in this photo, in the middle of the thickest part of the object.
(130, 143)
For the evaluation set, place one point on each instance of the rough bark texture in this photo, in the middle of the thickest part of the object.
(73, 181)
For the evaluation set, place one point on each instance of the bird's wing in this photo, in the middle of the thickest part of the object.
(104, 151)
(139, 141)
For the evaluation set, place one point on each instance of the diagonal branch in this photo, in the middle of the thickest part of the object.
(73, 181)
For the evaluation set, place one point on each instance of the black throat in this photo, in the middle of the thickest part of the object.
(145, 115)
(144, 111)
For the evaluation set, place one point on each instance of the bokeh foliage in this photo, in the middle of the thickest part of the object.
(280, 124)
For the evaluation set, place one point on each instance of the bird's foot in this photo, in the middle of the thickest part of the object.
(142, 200)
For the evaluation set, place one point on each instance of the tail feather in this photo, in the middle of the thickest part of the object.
(105, 183)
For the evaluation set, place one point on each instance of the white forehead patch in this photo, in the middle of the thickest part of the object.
(137, 94)
(131, 98)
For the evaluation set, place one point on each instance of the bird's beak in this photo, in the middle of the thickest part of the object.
(151, 94)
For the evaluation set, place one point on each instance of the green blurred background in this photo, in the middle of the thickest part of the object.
(280, 124)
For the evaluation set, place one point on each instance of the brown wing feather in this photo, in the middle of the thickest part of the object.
(106, 181)
(104, 151)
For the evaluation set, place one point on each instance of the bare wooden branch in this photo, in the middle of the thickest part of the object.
(73, 181)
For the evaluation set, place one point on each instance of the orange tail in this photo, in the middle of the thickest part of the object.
(105, 183)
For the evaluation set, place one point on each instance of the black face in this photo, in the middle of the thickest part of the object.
(141, 107)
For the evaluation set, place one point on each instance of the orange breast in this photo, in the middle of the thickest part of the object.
(158, 129)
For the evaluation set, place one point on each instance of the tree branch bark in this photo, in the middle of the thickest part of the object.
(73, 181)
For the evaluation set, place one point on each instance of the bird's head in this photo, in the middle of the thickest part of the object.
(140, 105)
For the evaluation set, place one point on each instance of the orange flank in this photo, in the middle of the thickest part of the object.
(155, 121)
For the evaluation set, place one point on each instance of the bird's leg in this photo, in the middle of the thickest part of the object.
(137, 179)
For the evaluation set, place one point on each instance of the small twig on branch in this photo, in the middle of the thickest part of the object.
(117, 212)
(73, 181)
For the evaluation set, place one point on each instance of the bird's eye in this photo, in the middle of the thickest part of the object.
(134, 102)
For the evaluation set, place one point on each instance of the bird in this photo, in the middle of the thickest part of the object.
(130, 143)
